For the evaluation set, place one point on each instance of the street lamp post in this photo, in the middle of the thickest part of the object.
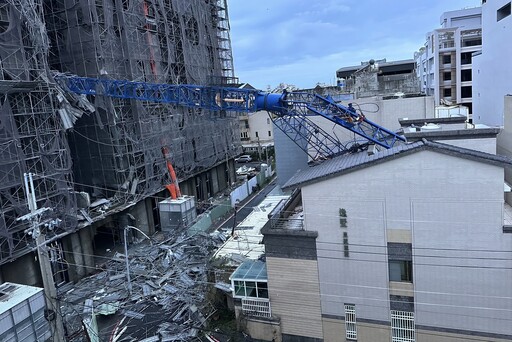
(128, 279)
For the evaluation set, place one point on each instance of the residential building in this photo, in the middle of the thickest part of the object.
(257, 133)
(492, 71)
(407, 244)
(444, 63)
(379, 77)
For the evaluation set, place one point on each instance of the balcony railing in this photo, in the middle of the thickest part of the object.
(287, 223)
(256, 307)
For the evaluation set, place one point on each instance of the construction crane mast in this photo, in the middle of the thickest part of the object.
(291, 111)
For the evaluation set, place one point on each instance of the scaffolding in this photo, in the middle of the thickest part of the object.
(32, 138)
(115, 151)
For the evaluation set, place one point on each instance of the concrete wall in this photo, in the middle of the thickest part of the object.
(383, 112)
(262, 329)
(443, 336)
(447, 203)
(79, 253)
(289, 157)
(505, 137)
(260, 122)
(487, 145)
(334, 331)
(24, 270)
(492, 71)
(295, 296)
(143, 213)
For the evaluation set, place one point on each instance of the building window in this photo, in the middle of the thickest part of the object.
(472, 42)
(465, 58)
(447, 92)
(246, 123)
(400, 270)
(402, 326)
(503, 12)
(447, 59)
(268, 121)
(350, 322)
(251, 289)
(465, 75)
(447, 76)
(466, 92)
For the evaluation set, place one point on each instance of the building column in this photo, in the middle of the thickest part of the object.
(87, 248)
(78, 257)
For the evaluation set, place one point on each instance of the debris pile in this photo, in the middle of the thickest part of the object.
(167, 301)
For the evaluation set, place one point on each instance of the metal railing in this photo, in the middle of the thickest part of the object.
(282, 223)
(256, 307)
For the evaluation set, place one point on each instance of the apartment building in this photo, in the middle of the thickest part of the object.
(410, 244)
(256, 133)
(444, 63)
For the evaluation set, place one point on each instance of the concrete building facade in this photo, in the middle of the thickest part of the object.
(415, 247)
(379, 77)
(491, 68)
(444, 63)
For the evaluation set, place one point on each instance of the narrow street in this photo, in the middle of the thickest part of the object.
(246, 207)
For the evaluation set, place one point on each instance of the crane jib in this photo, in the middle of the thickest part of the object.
(287, 105)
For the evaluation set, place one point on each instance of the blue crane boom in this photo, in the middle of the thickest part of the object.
(292, 108)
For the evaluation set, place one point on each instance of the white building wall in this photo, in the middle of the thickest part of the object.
(487, 145)
(505, 137)
(385, 113)
(492, 70)
(261, 124)
(446, 203)
(290, 158)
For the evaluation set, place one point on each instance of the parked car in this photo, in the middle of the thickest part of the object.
(243, 159)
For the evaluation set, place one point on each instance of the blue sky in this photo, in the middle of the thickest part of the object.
(302, 42)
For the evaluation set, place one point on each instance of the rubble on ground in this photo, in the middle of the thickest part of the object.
(168, 299)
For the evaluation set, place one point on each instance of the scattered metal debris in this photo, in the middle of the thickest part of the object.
(168, 300)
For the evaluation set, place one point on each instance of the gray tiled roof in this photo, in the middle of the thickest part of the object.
(352, 162)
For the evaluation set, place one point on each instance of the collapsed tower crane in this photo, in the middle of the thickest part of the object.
(291, 111)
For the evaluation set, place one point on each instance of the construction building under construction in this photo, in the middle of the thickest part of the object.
(98, 162)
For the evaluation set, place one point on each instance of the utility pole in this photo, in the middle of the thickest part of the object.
(259, 149)
(227, 168)
(53, 316)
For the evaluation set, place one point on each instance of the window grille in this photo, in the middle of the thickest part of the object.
(350, 322)
(256, 307)
(402, 326)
